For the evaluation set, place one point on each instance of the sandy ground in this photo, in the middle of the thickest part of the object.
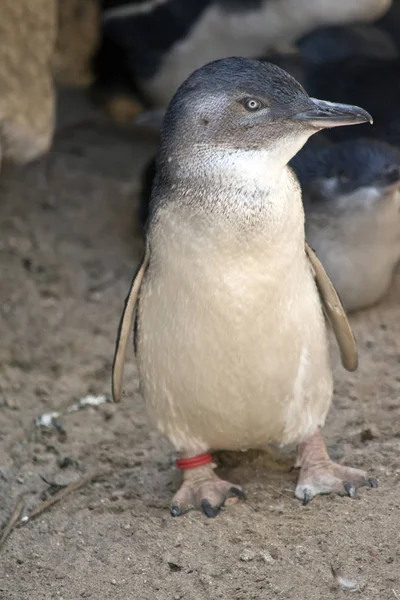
(67, 253)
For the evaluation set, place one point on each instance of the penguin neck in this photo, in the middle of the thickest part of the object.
(248, 191)
(257, 169)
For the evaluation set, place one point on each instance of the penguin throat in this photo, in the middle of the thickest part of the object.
(257, 168)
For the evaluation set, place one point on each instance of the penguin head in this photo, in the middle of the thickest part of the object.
(237, 104)
(351, 175)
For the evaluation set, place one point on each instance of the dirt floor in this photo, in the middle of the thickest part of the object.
(67, 253)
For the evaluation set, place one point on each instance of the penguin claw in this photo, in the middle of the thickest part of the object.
(237, 493)
(210, 511)
(307, 497)
(175, 510)
(350, 490)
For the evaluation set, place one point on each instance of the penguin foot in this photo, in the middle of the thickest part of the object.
(203, 490)
(319, 475)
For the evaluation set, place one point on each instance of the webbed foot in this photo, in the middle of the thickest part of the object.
(203, 490)
(319, 475)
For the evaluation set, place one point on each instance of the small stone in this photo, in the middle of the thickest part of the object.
(267, 557)
(113, 582)
(247, 555)
(178, 541)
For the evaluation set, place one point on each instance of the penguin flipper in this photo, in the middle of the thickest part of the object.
(125, 328)
(335, 313)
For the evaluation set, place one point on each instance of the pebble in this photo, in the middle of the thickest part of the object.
(247, 555)
(267, 557)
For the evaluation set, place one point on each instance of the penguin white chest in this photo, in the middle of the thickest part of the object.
(232, 350)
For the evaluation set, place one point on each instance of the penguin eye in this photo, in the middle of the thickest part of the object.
(252, 105)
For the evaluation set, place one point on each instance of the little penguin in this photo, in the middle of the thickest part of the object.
(351, 198)
(229, 300)
(158, 43)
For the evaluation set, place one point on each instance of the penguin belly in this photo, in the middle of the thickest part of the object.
(232, 352)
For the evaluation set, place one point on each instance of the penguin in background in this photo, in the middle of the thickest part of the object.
(351, 198)
(151, 47)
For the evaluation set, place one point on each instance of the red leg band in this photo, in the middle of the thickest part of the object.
(196, 461)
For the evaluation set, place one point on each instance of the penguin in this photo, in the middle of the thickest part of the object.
(159, 43)
(351, 198)
(229, 300)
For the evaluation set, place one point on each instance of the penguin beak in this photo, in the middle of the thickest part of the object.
(323, 114)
